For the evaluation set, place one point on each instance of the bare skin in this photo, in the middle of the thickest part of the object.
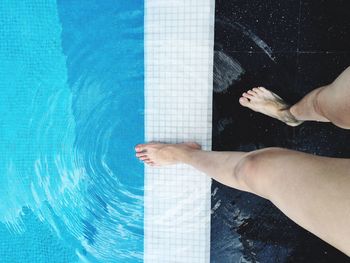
(303, 186)
(311, 190)
(330, 103)
(266, 102)
(157, 154)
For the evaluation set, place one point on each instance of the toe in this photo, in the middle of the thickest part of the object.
(251, 92)
(139, 147)
(246, 95)
(149, 163)
(257, 90)
(140, 154)
(244, 101)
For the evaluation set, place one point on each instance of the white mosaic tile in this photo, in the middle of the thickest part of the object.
(179, 41)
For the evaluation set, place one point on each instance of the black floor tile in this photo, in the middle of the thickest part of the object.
(244, 226)
(325, 25)
(254, 25)
(236, 127)
(319, 69)
(325, 139)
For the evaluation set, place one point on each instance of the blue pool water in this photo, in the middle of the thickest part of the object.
(72, 105)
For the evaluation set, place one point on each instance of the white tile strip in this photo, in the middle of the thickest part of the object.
(179, 41)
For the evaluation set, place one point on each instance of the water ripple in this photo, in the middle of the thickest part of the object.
(84, 113)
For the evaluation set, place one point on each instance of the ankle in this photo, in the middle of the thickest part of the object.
(294, 111)
(289, 118)
(181, 154)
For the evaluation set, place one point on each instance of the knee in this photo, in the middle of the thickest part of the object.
(252, 171)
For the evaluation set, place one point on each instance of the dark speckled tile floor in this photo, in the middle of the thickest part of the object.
(291, 47)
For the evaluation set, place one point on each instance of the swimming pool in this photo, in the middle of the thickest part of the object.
(72, 78)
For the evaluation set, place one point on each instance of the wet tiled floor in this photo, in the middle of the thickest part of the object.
(291, 48)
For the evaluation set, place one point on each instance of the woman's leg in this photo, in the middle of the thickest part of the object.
(308, 108)
(313, 191)
(333, 101)
(327, 103)
(217, 165)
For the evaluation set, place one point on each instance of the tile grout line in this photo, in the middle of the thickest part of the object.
(178, 108)
(298, 43)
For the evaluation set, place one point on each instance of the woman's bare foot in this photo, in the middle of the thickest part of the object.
(159, 154)
(266, 102)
